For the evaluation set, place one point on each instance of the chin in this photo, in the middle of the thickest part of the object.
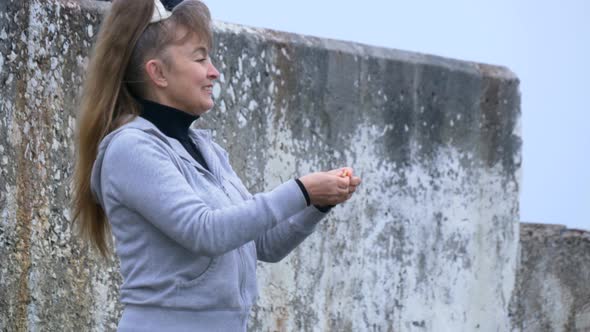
(207, 107)
(202, 110)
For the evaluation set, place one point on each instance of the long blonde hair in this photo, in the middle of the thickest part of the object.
(114, 78)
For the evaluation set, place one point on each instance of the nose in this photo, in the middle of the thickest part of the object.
(212, 72)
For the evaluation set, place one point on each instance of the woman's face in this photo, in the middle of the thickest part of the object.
(190, 75)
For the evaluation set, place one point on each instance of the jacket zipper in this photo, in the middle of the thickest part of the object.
(242, 276)
(242, 265)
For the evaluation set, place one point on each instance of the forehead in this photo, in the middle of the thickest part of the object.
(189, 41)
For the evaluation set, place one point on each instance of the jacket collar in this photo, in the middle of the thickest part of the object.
(201, 138)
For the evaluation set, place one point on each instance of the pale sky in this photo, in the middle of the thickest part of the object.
(546, 43)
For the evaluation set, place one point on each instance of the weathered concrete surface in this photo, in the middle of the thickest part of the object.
(47, 282)
(553, 281)
(429, 243)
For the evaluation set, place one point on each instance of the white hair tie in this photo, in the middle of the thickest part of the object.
(160, 13)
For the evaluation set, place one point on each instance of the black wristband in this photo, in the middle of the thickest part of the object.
(324, 209)
(304, 191)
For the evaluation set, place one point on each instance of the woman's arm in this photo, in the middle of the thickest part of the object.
(139, 174)
(278, 242)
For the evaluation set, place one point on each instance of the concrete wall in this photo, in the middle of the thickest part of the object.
(429, 243)
(48, 282)
(553, 283)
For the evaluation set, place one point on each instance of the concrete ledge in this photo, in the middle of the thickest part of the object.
(553, 292)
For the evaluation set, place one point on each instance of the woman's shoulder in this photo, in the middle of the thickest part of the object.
(139, 135)
(128, 149)
(139, 130)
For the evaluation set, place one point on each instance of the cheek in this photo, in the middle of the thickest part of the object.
(200, 74)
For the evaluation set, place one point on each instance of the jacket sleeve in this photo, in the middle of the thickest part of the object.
(277, 243)
(140, 175)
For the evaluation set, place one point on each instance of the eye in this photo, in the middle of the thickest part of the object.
(201, 60)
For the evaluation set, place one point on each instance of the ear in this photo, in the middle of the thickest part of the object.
(155, 70)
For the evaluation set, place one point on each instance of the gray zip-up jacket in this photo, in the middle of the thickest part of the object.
(188, 238)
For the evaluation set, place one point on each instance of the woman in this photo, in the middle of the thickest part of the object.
(186, 230)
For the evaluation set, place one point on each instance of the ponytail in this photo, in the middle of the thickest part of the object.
(115, 76)
(105, 105)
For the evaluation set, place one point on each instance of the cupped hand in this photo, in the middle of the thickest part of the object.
(354, 181)
(325, 188)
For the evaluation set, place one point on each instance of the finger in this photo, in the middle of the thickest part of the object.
(343, 191)
(351, 189)
(341, 198)
(355, 181)
(337, 199)
(343, 183)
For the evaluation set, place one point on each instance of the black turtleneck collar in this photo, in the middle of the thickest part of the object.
(171, 121)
